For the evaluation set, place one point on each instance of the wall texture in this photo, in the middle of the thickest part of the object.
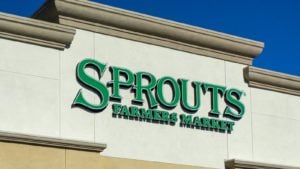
(38, 86)
(22, 156)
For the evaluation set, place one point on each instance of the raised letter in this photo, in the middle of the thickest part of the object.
(186, 120)
(116, 83)
(175, 88)
(232, 98)
(184, 95)
(215, 89)
(91, 83)
(139, 88)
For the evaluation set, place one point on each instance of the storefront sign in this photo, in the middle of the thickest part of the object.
(153, 91)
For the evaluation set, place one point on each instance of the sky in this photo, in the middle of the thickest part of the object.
(276, 23)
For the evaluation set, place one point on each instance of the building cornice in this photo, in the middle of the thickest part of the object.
(35, 31)
(271, 80)
(240, 164)
(130, 25)
(51, 142)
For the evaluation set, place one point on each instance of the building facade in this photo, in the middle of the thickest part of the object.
(84, 85)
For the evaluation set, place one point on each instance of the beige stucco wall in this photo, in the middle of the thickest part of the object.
(38, 86)
(23, 156)
(275, 126)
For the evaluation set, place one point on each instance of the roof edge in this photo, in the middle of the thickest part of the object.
(242, 164)
(35, 31)
(51, 142)
(271, 80)
(104, 19)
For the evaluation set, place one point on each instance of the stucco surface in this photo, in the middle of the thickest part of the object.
(38, 91)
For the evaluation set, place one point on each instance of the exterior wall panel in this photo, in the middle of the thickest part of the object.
(240, 140)
(159, 142)
(76, 123)
(22, 156)
(276, 140)
(39, 84)
(29, 104)
(29, 59)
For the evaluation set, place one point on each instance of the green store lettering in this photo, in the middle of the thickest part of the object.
(153, 90)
